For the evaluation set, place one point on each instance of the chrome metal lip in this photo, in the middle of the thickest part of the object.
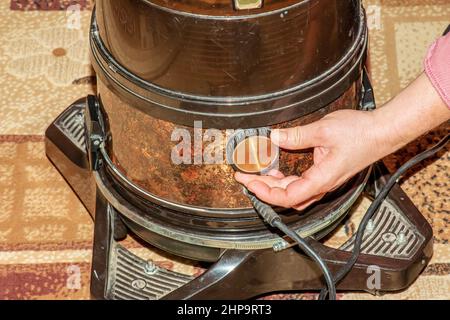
(268, 240)
(222, 17)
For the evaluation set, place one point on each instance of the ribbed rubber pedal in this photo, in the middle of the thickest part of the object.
(132, 278)
(389, 234)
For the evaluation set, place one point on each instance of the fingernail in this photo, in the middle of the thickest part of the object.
(279, 136)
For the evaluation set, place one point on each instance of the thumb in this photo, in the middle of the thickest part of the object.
(303, 137)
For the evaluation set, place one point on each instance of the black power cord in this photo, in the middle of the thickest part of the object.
(273, 219)
(342, 273)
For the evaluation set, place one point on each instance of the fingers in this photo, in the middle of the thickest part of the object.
(283, 197)
(303, 206)
(276, 174)
(302, 191)
(278, 194)
(290, 192)
(278, 181)
(273, 195)
(297, 138)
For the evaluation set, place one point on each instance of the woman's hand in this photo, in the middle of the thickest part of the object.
(346, 142)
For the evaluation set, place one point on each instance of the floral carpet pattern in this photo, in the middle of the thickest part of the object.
(45, 232)
(34, 56)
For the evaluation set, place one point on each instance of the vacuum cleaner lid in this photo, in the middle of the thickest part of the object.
(212, 49)
(267, 65)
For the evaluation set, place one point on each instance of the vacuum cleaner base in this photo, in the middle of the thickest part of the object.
(397, 245)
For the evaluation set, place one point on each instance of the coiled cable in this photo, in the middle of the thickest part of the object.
(273, 219)
(342, 273)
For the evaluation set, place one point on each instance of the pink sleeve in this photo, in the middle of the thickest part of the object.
(437, 67)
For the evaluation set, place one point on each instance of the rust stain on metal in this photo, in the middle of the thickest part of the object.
(141, 147)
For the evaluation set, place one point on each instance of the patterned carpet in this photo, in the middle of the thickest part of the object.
(46, 234)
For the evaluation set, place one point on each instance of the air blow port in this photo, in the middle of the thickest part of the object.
(251, 151)
(248, 4)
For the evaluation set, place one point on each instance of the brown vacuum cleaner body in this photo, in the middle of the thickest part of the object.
(237, 69)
